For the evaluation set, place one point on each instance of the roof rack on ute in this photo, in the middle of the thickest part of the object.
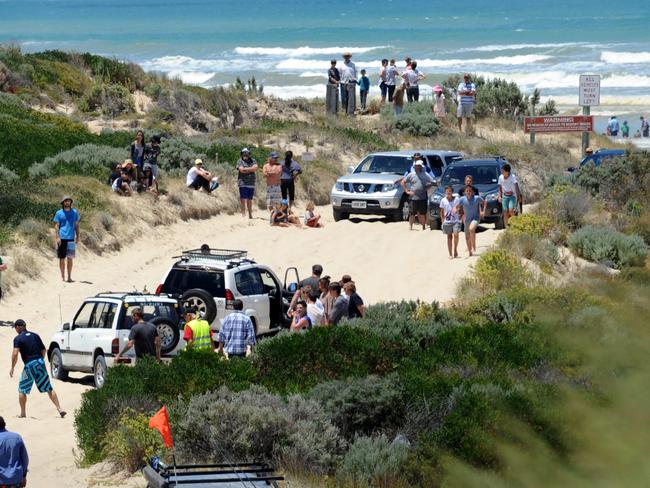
(211, 253)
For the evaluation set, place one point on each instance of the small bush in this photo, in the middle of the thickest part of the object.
(110, 100)
(7, 176)
(416, 119)
(536, 249)
(373, 462)
(130, 442)
(86, 159)
(608, 246)
(499, 270)
(566, 206)
(531, 224)
(35, 233)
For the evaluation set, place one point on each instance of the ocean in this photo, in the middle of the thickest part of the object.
(287, 44)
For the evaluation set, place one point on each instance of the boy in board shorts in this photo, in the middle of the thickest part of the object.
(473, 211)
(450, 219)
(66, 222)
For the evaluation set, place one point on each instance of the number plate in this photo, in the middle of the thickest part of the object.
(358, 204)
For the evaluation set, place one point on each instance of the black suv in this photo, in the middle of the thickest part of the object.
(485, 173)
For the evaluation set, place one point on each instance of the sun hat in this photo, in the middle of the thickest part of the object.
(273, 155)
(347, 54)
(419, 163)
(19, 323)
(66, 197)
(198, 162)
(245, 150)
(437, 89)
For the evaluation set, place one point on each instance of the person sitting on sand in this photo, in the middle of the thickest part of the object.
(129, 168)
(312, 219)
(115, 174)
(122, 185)
(148, 182)
(283, 217)
(197, 177)
(32, 351)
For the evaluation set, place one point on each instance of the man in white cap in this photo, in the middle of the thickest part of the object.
(66, 223)
(348, 73)
(197, 178)
(415, 185)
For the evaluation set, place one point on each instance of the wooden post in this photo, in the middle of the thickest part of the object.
(532, 132)
(585, 135)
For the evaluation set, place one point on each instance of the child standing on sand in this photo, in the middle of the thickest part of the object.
(364, 88)
(312, 219)
(398, 99)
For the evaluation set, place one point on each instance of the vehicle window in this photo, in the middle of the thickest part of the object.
(482, 175)
(151, 311)
(84, 318)
(270, 286)
(180, 280)
(249, 282)
(385, 164)
(436, 164)
(104, 314)
(451, 159)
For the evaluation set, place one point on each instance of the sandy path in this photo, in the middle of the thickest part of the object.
(386, 260)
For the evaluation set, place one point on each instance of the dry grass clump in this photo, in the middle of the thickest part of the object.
(192, 204)
(35, 234)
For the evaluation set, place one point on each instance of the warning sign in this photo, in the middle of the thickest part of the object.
(556, 123)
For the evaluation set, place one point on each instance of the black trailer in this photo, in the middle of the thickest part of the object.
(241, 475)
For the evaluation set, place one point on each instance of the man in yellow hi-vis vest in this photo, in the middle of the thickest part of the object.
(197, 333)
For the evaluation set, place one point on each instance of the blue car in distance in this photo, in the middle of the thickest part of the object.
(601, 156)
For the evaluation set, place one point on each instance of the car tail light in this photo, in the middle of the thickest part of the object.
(229, 299)
(159, 289)
(115, 346)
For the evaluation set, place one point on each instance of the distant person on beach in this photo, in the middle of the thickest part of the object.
(473, 211)
(415, 185)
(625, 130)
(66, 225)
(130, 169)
(137, 150)
(364, 88)
(198, 178)
(290, 171)
(398, 99)
(450, 218)
(348, 84)
(143, 336)
(312, 219)
(439, 110)
(3, 267)
(32, 351)
(466, 98)
(509, 193)
(645, 127)
(14, 460)
(246, 169)
(412, 77)
(122, 185)
(151, 154)
(272, 172)
(237, 333)
(356, 308)
(339, 307)
(283, 217)
(332, 94)
(391, 75)
(383, 87)
(148, 182)
(613, 126)
(407, 64)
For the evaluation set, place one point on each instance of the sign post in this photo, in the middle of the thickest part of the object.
(589, 97)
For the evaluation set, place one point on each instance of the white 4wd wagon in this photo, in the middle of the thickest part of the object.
(211, 279)
(100, 329)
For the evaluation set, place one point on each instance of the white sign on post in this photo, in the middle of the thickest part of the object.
(589, 90)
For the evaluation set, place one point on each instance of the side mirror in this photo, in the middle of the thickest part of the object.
(293, 287)
(66, 326)
(350, 169)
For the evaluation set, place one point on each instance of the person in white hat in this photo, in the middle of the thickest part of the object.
(415, 185)
(348, 85)
(197, 178)
(66, 223)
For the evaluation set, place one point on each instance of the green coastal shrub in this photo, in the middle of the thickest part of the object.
(416, 119)
(109, 99)
(86, 159)
(498, 270)
(7, 176)
(536, 249)
(373, 461)
(531, 224)
(496, 97)
(608, 246)
(566, 206)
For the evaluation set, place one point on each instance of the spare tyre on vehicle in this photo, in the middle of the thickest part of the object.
(168, 333)
(202, 301)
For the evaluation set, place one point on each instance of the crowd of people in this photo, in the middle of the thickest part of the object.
(394, 85)
(614, 127)
(139, 172)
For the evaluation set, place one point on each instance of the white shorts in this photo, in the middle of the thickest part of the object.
(464, 110)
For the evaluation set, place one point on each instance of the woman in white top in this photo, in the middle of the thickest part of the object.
(439, 110)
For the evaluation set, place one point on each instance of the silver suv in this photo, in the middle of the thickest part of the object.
(373, 186)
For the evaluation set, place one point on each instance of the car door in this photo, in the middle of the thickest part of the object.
(256, 302)
(273, 289)
(80, 330)
(101, 333)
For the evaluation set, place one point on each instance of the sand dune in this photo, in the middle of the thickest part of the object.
(387, 261)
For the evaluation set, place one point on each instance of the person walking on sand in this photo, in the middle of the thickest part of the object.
(332, 94)
(197, 332)
(473, 211)
(450, 218)
(466, 98)
(3, 267)
(14, 460)
(290, 171)
(66, 224)
(398, 99)
(237, 334)
(143, 336)
(439, 110)
(246, 169)
(416, 185)
(391, 75)
(348, 84)
(364, 88)
(272, 172)
(509, 193)
(32, 351)
(197, 178)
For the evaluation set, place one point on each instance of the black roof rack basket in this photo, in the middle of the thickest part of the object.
(212, 253)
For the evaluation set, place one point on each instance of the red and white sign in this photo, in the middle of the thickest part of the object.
(558, 123)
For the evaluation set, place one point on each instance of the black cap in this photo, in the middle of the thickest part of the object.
(20, 323)
(155, 139)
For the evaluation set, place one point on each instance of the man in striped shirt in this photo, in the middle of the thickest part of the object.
(237, 332)
(466, 97)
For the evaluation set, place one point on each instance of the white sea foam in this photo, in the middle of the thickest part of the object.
(515, 47)
(612, 57)
(303, 50)
(313, 74)
(191, 77)
(561, 79)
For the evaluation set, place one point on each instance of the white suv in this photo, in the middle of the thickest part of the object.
(211, 279)
(100, 329)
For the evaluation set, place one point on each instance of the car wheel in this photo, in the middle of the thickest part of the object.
(202, 301)
(434, 224)
(168, 333)
(56, 365)
(338, 215)
(99, 371)
(403, 212)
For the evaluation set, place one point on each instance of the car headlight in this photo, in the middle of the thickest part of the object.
(388, 187)
(436, 198)
(491, 197)
(338, 186)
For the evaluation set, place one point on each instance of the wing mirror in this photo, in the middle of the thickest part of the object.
(66, 326)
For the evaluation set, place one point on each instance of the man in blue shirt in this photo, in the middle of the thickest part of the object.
(473, 212)
(32, 351)
(613, 126)
(66, 222)
(14, 460)
(237, 333)
(466, 98)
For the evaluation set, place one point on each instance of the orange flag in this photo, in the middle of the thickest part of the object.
(160, 422)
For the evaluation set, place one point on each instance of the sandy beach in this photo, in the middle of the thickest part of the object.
(387, 261)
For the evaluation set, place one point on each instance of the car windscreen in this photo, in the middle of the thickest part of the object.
(385, 164)
(482, 174)
(180, 280)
